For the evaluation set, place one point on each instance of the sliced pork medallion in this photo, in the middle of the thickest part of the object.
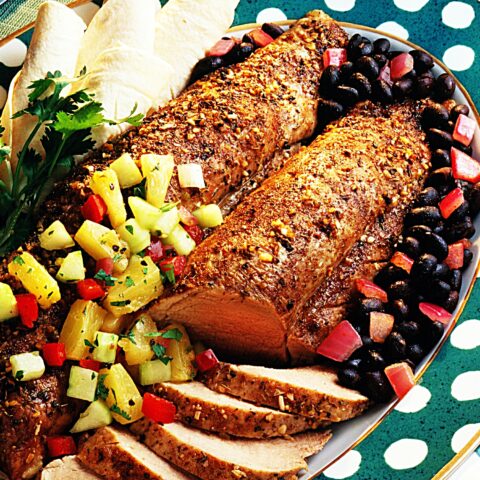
(67, 468)
(244, 285)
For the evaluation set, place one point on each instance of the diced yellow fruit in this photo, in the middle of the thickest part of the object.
(136, 236)
(124, 399)
(82, 383)
(127, 171)
(138, 285)
(102, 242)
(8, 303)
(166, 223)
(155, 372)
(27, 366)
(72, 268)
(158, 170)
(56, 237)
(105, 349)
(137, 345)
(35, 278)
(96, 415)
(183, 356)
(83, 321)
(180, 240)
(105, 183)
(209, 216)
(145, 214)
(113, 324)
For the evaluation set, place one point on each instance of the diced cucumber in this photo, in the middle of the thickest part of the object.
(96, 415)
(137, 237)
(56, 237)
(82, 383)
(209, 216)
(105, 347)
(72, 268)
(145, 214)
(27, 366)
(180, 240)
(8, 303)
(155, 372)
(158, 170)
(166, 222)
(127, 171)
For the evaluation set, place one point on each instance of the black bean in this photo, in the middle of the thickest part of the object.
(377, 387)
(457, 110)
(466, 187)
(467, 257)
(418, 231)
(402, 88)
(373, 360)
(247, 38)
(365, 48)
(434, 244)
(423, 269)
(427, 197)
(350, 378)
(435, 116)
(354, 363)
(273, 30)
(415, 353)
(444, 86)
(440, 159)
(368, 67)
(457, 231)
(409, 330)
(422, 60)
(361, 83)
(463, 148)
(394, 53)
(329, 110)
(346, 69)
(401, 289)
(354, 41)
(366, 306)
(410, 246)
(329, 80)
(452, 301)
(439, 291)
(239, 53)
(432, 332)
(346, 95)
(368, 344)
(395, 346)
(439, 229)
(449, 127)
(439, 138)
(428, 215)
(442, 272)
(423, 86)
(412, 75)
(441, 179)
(459, 214)
(380, 59)
(205, 66)
(381, 91)
(390, 274)
(357, 47)
(381, 45)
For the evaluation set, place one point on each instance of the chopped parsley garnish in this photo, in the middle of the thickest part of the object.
(104, 277)
(140, 190)
(116, 409)
(160, 352)
(19, 375)
(102, 390)
(129, 282)
(129, 336)
(19, 260)
(173, 334)
(116, 258)
(129, 229)
(121, 303)
(169, 206)
(168, 277)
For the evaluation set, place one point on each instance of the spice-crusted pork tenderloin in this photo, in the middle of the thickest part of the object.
(244, 285)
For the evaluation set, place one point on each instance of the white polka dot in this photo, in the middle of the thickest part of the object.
(394, 28)
(458, 15)
(270, 15)
(340, 5)
(463, 435)
(406, 453)
(415, 400)
(466, 386)
(410, 5)
(467, 335)
(459, 57)
(3, 96)
(345, 467)
(13, 53)
(87, 11)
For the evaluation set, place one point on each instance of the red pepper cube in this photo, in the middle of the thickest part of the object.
(156, 250)
(342, 341)
(464, 167)
(400, 260)
(260, 38)
(334, 56)
(105, 264)
(451, 202)
(206, 360)
(435, 313)
(401, 65)
(221, 48)
(94, 209)
(370, 290)
(401, 378)
(381, 324)
(90, 364)
(61, 446)
(54, 354)
(186, 217)
(175, 263)
(27, 308)
(158, 409)
(464, 130)
(90, 289)
(195, 232)
(455, 255)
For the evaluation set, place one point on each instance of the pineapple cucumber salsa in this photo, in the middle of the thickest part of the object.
(134, 257)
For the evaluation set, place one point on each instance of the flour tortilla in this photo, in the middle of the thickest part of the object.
(186, 29)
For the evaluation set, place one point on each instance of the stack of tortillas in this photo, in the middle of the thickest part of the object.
(134, 53)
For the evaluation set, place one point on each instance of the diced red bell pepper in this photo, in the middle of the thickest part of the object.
(195, 232)
(90, 364)
(401, 65)
(158, 409)
(90, 289)
(435, 313)
(455, 255)
(334, 56)
(105, 264)
(260, 38)
(54, 354)
(464, 130)
(370, 290)
(381, 324)
(221, 48)
(403, 261)
(156, 250)
(342, 341)
(94, 209)
(385, 74)
(464, 167)
(451, 202)
(401, 378)
(177, 263)
(206, 360)
(186, 217)
(27, 308)
(61, 445)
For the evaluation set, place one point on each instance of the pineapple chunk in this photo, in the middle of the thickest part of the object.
(72, 269)
(8, 303)
(136, 236)
(145, 214)
(180, 240)
(137, 346)
(158, 170)
(155, 372)
(113, 324)
(83, 321)
(124, 399)
(182, 354)
(102, 242)
(35, 278)
(138, 285)
(105, 183)
(127, 171)
(105, 350)
(209, 216)
(167, 222)
(56, 237)
(96, 415)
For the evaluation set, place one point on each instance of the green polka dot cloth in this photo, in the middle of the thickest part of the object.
(441, 414)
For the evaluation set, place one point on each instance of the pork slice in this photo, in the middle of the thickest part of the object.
(246, 283)
(211, 457)
(200, 407)
(67, 468)
(115, 453)
(309, 391)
